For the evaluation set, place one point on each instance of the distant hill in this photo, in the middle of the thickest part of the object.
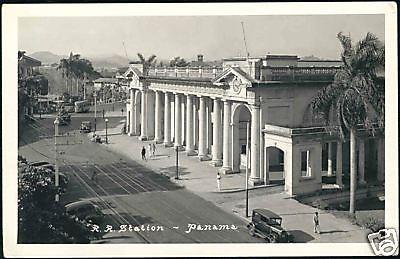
(46, 57)
(114, 61)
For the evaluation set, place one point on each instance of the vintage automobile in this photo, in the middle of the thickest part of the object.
(85, 210)
(267, 225)
(86, 127)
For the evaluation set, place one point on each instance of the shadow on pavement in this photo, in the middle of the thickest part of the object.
(171, 170)
(333, 231)
(300, 236)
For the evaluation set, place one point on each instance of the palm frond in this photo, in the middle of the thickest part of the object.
(141, 58)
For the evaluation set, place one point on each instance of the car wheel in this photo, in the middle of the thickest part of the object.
(252, 231)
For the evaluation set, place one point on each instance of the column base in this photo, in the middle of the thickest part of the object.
(168, 144)
(143, 138)
(158, 141)
(216, 163)
(190, 153)
(204, 158)
(180, 148)
(362, 183)
(226, 170)
(255, 182)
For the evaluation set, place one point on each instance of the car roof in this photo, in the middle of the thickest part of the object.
(267, 213)
(76, 204)
(40, 163)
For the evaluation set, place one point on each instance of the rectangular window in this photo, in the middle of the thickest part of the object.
(305, 164)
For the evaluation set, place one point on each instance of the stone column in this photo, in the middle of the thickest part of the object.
(183, 122)
(189, 126)
(167, 120)
(208, 126)
(136, 123)
(339, 164)
(157, 135)
(195, 124)
(178, 123)
(255, 148)
(227, 137)
(202, 130)
(143, 125)
(330, 159)
(361, 162)
(132, 113)
(266, 164)
(381, 159)
(216, 145)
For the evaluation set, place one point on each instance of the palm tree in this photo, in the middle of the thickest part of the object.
(354, 91)
(65, 68)
(146, 63)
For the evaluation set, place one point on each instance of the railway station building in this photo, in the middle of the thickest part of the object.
(213, 112)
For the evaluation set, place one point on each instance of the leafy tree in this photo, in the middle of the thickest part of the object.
(147, 63)
(178, 62)
(355, 89)
(40, 219)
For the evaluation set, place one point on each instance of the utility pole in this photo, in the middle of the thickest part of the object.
(247, 169)
(57, 175)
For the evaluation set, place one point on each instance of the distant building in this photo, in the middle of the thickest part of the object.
(26, 68)
(206, 110)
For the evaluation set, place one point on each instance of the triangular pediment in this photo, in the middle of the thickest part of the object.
(233, 74)
(132, 72)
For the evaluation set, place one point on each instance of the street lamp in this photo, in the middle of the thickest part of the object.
(106, 120)
(57, 175)
(95, 109)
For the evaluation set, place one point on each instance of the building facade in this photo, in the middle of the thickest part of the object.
(213, 112)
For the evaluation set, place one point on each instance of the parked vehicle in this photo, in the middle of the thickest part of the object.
(82, 106)
(85, 210)
(267, 225)
(86, 127)
(43, 164)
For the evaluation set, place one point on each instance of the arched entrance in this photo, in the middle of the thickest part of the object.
(275, 165)
(241, 117)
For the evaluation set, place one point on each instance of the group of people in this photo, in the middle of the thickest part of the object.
(152, 151)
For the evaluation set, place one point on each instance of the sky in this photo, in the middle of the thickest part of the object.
(215, 37)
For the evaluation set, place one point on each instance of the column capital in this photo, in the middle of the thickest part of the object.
(255, 106)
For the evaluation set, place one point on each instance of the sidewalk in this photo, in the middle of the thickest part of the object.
(200, 178)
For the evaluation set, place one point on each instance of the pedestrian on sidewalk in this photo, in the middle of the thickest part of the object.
(154, 149)
(150, 150)
(103, 113)
(219, 181)
(122, 111)
(144, 153)
(316, 222)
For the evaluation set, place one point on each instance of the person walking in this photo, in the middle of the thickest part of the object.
(144, 153)
(122, 111)
(154, 149)
(103, 113)
(219, 181)
(150, 150)
(316, 222)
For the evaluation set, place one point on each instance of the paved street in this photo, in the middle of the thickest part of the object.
(136, 192)
(131, 194)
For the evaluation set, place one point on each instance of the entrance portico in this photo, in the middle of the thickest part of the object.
(205, 112)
